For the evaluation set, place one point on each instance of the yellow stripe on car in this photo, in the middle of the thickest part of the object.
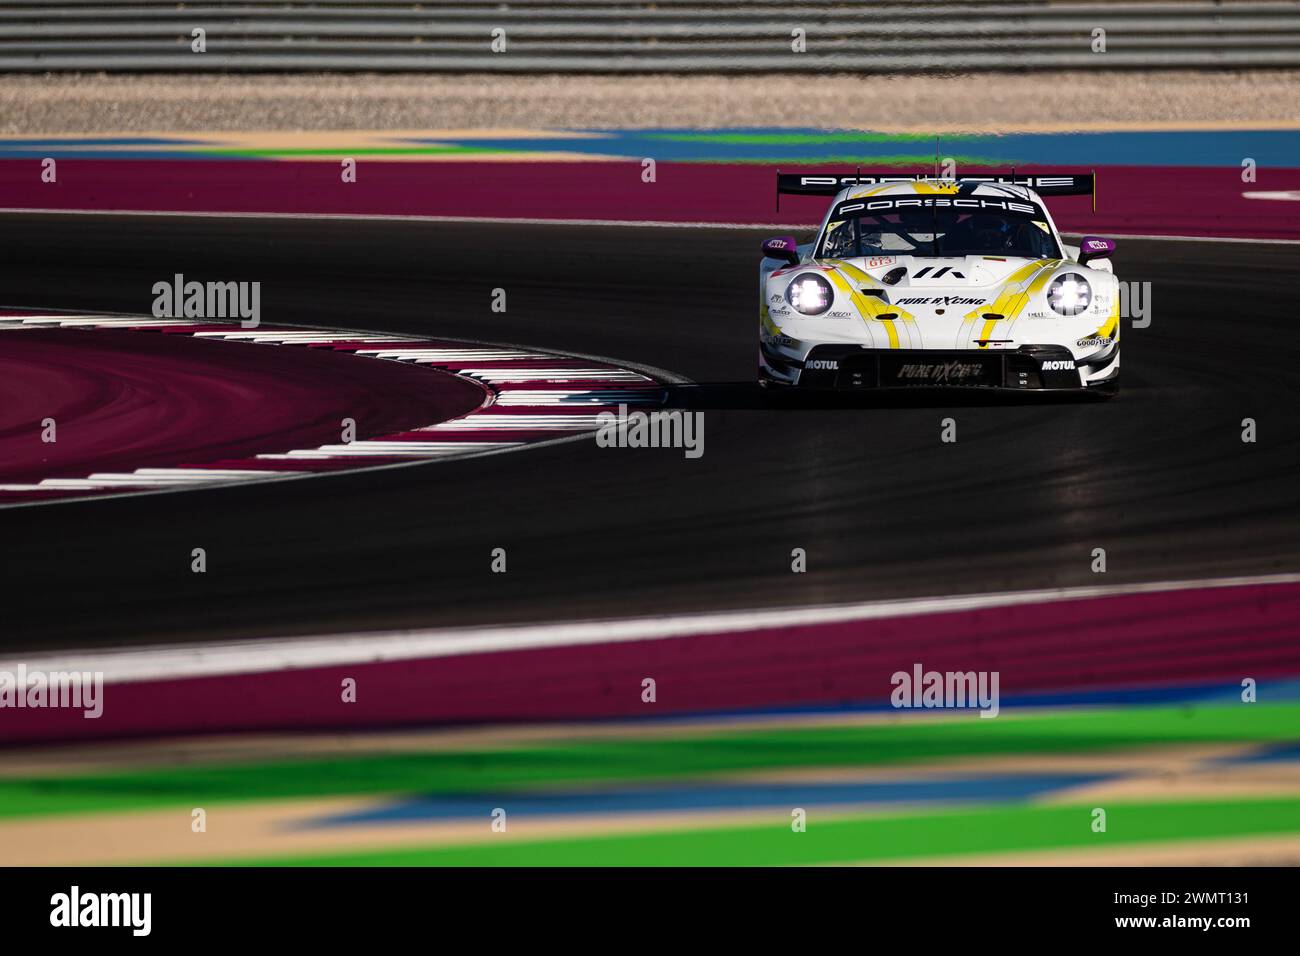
(872, 307)
(934, 189)
(989, 325)
(870, 191)
(1111, 326)
(1020, 287)
(880, 307)
(765, 320)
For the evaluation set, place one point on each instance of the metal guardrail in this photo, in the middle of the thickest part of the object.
(669, 36)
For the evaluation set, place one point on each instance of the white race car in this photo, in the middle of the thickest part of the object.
(914, 281)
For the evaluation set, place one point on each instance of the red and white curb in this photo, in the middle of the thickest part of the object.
(531, 397)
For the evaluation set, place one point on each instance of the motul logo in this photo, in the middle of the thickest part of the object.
(1058, 366)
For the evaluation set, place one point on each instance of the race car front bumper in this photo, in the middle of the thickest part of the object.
(851, 367)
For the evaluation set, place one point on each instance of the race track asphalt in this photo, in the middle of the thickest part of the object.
(1160, 477)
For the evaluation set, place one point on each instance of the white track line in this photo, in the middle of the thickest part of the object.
(506, 375)
(124, 665)
(151, 477)
(413, 449)
(386, 449)
(489, 422)
(529, 398)
(201, 472)
(293, 338)
(66, 322)
(60, 316)
(450, 355)
(132, 478)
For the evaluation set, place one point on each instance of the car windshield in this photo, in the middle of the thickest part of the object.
(938, 232)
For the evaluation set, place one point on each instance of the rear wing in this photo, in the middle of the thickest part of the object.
(828, 184)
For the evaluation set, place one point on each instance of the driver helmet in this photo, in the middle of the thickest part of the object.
(914, 221)
(989, 231)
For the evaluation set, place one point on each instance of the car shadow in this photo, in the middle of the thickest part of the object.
(711, 396)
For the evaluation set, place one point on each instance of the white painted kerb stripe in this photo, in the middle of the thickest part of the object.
(125, 665)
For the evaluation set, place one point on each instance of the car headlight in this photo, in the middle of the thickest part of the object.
(1069, 294)
(809, 294)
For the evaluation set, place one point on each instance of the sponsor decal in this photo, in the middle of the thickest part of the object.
(784, 341)
(828, 364)
(940, 300)
(1035, 183)
(1058, 365)
(839, 315)
(938, 372)
(932, 202)
(1097, 342)
(944, 269)
(879, 261)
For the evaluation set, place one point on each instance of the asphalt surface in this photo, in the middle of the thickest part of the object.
(1159, 477)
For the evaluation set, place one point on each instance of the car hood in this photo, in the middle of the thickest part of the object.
(928, 273)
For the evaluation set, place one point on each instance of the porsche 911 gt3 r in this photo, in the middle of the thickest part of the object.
(914, 281)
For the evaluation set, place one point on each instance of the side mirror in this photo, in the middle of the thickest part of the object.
(1094, 247)
(782, 247)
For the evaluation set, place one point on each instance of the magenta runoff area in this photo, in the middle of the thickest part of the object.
(1230, 182)
(152, 404)
(158, 400)
(1131, 200)
(1171, 644)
